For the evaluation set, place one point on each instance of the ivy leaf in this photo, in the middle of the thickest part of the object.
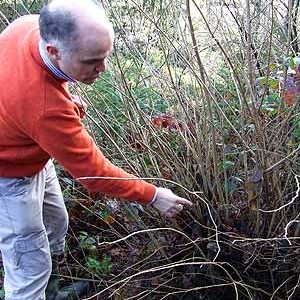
(226, 165)
(292, 62)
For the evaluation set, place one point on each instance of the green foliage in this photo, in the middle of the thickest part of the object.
(271, 104)
(87, 241)
(10, 10)
(101, 267)
(2, 293)
(226, 165)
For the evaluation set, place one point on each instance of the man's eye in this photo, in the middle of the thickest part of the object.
(90, 62)
(95, 61)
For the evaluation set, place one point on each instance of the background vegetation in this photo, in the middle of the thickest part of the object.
(201, 97)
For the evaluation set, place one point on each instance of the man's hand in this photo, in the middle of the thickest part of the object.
(168, 203)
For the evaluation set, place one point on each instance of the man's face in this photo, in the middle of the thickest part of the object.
(87, 59)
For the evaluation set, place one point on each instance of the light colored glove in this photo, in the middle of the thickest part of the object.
(168, 203)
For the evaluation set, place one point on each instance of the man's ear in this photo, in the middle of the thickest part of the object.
(53, 52)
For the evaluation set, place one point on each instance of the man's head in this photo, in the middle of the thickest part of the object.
(77, 37)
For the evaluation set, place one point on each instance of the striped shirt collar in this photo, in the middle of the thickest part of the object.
(57, 72)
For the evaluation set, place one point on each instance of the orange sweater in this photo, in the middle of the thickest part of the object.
(38, 120)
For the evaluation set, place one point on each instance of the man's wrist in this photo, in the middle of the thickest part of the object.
(154, 197)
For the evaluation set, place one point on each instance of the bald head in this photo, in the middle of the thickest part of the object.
(77, 37)
(64, 22)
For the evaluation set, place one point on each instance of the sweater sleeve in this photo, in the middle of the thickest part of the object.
(62, 135)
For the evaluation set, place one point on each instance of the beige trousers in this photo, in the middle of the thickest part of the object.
(33, 225)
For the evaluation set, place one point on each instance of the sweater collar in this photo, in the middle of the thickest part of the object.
(57, 72)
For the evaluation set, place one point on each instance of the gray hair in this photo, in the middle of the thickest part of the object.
(58, 27)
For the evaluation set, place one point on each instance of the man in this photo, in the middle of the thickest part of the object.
(39, 120)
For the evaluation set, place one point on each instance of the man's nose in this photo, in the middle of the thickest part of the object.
(100, 66)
